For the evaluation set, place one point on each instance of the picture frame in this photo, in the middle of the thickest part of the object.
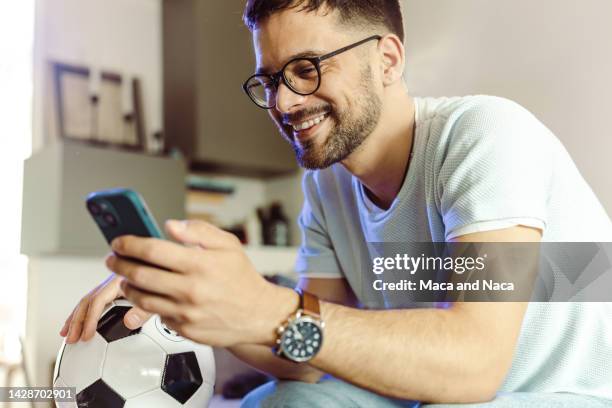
(98, 107)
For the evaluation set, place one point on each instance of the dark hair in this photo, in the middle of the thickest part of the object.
(386, 13)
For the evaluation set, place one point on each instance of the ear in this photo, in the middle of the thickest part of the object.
(392, 55)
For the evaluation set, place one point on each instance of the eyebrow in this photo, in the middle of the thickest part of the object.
(303, 54)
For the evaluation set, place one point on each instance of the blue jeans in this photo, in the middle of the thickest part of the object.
(330, 393)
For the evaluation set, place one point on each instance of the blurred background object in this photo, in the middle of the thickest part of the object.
(207, 53)
(274, 225)
(100, 107)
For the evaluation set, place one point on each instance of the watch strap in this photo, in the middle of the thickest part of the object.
(309, 303)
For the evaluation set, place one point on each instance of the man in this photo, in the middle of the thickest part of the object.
(383, 167)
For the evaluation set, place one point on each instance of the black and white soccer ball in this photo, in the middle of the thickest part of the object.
(149, 367)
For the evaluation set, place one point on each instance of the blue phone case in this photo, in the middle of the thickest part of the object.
(120, 212)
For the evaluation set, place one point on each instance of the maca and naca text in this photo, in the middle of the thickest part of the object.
(431, 285)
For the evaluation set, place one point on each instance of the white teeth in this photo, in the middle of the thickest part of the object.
(309, 123)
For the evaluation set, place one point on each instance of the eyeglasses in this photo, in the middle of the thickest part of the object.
(302, 75)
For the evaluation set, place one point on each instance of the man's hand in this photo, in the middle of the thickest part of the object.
(81, 323)
(206, 290)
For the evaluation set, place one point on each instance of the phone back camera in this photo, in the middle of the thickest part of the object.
(110, 219)
(94, 208)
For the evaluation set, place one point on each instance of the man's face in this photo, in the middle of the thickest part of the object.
(327, 126)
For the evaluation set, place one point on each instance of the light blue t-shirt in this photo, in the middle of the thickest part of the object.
(480, 163)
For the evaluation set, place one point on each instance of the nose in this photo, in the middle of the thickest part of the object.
(286, 99)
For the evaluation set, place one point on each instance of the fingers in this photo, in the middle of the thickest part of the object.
(64, 330)
(150, 303)
(76, 323)
(159, 252)
(149, 278)
(135, 317)
(97, 303)
(146, 277)
(196, 232)
(82, 322)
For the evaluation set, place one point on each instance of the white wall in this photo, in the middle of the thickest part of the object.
(16, 41)
(552, 56)
(122, 36)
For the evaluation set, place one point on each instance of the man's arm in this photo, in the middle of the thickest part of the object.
(455, 355)
(261, 358)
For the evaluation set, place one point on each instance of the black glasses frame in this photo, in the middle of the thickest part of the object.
(316, 61)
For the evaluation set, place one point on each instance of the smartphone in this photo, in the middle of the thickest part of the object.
(120, 212)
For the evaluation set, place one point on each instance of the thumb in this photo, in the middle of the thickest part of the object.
(135, 318)
(200, 233)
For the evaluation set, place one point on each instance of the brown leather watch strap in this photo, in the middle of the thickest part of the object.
(309, 303)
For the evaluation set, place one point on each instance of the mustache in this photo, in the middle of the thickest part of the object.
(305, 113)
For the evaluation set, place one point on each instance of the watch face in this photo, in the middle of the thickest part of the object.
(302, 339)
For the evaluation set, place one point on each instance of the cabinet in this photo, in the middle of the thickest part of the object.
(207, 55)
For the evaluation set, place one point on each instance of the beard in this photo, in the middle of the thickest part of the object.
(349, 128)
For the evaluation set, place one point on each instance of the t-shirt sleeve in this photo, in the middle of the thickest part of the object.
(496, 169)
(316, 256)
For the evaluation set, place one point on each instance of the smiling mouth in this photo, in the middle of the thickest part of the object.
(307, 124)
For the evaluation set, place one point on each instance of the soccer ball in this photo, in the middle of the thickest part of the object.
(148, 367)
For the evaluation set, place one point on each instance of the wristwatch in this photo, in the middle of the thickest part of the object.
(300, 337)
